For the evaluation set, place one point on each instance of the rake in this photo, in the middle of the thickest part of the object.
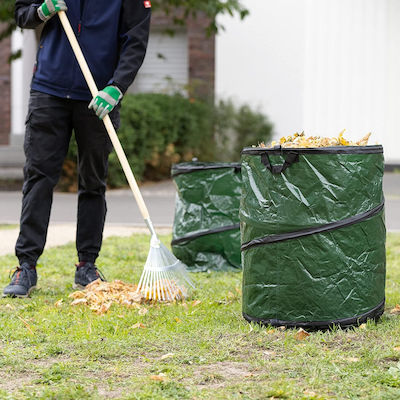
(164, 277)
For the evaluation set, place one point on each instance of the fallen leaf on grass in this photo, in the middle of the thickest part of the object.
(137, 325)
(178, 321)
(269, 353)
(143, 311)
(102, 309)
(301, 334)
(161, 377)
(168, 355)
(196, 303)
(26, 324)
(9, 306)
(395, 310)
(58, 303)
(363, 326)
(309, 393)
(352, 359)
(397, 348)
(282, 328)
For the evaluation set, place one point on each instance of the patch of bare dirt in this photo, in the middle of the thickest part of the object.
(109, 394)
(11, 382)
(47, 362)
(217, 374)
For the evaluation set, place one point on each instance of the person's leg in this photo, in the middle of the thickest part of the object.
(94, 147)
(48, 132)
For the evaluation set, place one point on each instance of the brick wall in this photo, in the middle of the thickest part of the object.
(5, 91)
(201, 52)
(201, 57)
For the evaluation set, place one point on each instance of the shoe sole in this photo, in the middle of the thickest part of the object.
(21, 296)
(78, 286)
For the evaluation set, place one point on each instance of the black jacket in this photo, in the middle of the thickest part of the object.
(113, 36)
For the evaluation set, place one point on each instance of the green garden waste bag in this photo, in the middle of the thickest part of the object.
(313, 235)
(206, 233)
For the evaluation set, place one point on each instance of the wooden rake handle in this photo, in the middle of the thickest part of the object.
(107, 121)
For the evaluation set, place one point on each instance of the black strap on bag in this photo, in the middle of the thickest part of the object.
(291, 157)
(192, 236)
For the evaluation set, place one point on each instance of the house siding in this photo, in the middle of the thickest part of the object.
(5, 90)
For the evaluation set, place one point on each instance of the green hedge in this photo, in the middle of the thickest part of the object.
(238, 127)
(158, 130)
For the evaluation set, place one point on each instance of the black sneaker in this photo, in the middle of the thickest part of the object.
(86, 272)
(23, 281)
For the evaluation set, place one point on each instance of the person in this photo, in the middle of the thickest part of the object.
(113, 36)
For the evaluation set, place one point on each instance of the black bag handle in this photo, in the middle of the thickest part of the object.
(291, 158)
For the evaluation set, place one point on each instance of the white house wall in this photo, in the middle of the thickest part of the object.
(317, 65)
(260, 61)
(392, 82)
(166, 65)
(346, 57)
(21, 75)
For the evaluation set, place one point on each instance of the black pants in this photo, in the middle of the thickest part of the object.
(49, 126)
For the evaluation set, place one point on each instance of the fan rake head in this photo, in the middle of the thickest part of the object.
(164, 277)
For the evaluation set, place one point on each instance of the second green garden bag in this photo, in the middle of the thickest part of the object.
(206, 233)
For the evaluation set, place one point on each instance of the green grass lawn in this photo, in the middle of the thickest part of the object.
(8, 226)
(196, 350)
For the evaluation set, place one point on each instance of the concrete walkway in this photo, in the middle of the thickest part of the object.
(123, 217)
(60, 234)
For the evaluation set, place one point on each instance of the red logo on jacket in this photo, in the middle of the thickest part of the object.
(147, 4)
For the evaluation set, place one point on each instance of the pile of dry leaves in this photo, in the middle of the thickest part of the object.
(99, 296)
(299, 140)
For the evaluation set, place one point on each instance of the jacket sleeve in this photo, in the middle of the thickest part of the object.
(134, 35)
(26, 15)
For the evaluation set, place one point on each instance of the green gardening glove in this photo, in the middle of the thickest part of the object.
(50, 8)
(105, 101)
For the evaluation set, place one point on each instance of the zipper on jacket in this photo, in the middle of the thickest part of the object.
(82, 5)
